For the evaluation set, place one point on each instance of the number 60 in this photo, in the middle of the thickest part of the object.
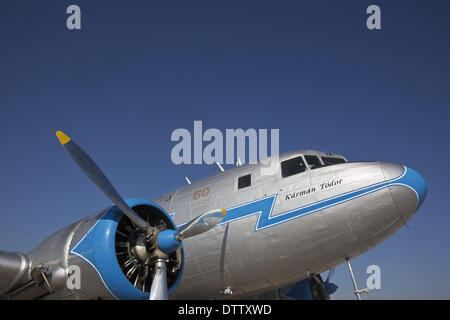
(201, 193)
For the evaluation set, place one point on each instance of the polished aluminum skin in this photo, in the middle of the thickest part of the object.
(276, 230)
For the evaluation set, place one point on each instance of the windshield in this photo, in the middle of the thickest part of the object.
(332, 160)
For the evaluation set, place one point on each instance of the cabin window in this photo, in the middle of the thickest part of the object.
(313, 162)
(330, 160)
(292, 166)
(244, 181)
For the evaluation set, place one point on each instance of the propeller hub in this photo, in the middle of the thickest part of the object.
(169, 240)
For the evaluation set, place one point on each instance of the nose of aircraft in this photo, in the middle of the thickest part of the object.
(415, 181)
(408, 188)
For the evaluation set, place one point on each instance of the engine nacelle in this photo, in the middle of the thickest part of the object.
(105, 256)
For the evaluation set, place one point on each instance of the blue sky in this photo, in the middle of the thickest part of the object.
(138, 70)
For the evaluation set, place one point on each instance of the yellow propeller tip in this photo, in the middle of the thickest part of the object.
(62, 137)
(224, 212)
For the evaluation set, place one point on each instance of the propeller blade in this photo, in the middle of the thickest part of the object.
(202, 223)
(330, 274)
(318, 288)
(158, 290)
(93, 172)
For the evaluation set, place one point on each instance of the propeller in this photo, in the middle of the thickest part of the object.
(330, 274)
(331, 287)
(202, 223)
(93, 172)
(160, 241)
(320, 289)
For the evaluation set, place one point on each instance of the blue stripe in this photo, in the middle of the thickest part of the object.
(264, 207)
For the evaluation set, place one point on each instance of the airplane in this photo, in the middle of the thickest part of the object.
(239, 234)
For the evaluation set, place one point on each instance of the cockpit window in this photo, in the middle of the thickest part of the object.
(313, 162)
(292, 166)
(330, 160)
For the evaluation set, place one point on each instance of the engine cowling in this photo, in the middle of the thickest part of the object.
(116, 249)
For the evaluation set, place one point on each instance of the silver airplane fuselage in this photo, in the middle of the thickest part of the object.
(276, 230)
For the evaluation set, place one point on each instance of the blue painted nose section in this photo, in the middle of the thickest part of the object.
(415, 180)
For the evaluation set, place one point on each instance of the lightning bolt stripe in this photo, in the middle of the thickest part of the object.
(264, 207)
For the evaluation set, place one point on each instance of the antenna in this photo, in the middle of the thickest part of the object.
(220, 167)
(188, 181)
